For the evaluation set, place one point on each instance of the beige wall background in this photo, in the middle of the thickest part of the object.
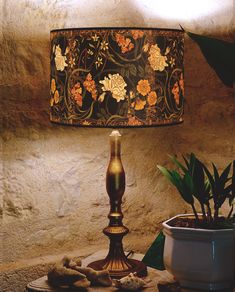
(53, 177)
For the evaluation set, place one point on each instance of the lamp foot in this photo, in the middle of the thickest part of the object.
(135, 267)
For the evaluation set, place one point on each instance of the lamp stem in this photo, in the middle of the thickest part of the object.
(116, 261)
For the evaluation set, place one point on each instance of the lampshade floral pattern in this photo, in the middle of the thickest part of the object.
(115, 77)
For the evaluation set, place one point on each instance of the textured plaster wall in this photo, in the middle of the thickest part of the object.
(52, 177)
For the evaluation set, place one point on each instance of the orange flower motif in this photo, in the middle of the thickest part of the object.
(146, 47)
(56, 96)
(53, 85)
(137, 34)
(132, 121)
(175, 90)
(181, 83)
(143, 87)
(76, 92)
(120, 38)
(90, 86)
(139, 104)
(125, 43)
(152, 98)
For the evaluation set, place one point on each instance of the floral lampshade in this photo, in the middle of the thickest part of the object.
(117, 77)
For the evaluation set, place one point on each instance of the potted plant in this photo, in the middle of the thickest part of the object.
(199, 247)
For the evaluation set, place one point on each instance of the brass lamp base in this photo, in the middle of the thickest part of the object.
(135, 267)
(116, 262)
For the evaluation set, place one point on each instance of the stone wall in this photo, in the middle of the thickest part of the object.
(53, 177)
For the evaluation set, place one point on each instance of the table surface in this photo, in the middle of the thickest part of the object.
(153, 278)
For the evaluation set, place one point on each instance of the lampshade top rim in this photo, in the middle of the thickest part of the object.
(116, 27)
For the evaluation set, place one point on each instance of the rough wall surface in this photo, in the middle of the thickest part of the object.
(53, 177)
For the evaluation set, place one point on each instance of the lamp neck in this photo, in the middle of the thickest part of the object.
(115, 144)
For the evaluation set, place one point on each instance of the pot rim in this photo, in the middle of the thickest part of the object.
(195, 232)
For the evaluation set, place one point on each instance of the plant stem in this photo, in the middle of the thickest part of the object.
(209, 217)
(195, 213)
(203, 213)
(216, 214)
(230, 212)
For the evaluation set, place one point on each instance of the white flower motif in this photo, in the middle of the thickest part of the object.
(156, 60)
(99, 62)
(104, 46)
(60, 60)
(95, 38)
(116, 85)
(57, 50)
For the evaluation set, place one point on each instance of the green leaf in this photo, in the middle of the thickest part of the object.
(224, 176)
(219, 55)
(103, 111)
(154, 255)
(166, 173)
(177, 163)
(177, 181)
(127, 73)
(141, 71)
(201, 190)
(187, 185)
(122, 71)
(133, 70)
(186, 161)
(183, 185)
(216, 173)
(209, 175)
(187, 180)
(191, 162)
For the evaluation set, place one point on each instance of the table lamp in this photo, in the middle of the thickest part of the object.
(116, 77)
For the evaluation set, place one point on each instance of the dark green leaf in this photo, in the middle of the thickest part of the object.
(187, 185)
(216, 173)
(224, 176)
(220, 56)
(154, 255)
(201, 190)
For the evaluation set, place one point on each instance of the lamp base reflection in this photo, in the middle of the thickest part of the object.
(116, 262)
